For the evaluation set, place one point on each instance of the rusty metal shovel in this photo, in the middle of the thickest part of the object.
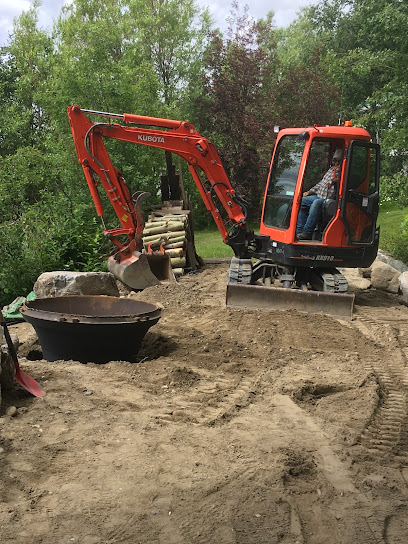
(21, 377)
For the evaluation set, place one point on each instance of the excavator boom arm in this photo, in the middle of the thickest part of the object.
(177, 137)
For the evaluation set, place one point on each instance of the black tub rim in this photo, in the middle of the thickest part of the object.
(148, 311)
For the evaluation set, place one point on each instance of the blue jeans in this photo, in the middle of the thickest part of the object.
(310, 213)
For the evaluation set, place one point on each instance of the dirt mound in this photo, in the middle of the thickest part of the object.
(234, 427)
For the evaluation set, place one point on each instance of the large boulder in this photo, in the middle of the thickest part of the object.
(386, 258)
(385, 277)
(60, 283)
(355, 278)
(403, 282)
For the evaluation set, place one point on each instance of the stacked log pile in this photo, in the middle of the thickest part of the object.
(169, 229)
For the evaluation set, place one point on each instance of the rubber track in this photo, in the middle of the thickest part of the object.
(334, 282)
(240, 271)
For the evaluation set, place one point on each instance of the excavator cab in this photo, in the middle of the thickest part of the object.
(346, 235)
(300, 160)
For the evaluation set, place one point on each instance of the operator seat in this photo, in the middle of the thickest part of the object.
(329, 209)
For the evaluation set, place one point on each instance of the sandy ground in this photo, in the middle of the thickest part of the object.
(236, 426)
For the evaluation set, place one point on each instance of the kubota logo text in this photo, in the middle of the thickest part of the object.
(153, 139)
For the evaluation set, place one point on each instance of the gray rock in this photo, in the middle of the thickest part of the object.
(403, 282)
(361, 283)
(11, 411)
(366, 272)
(60, 283)
(386, 258)
(384, 277)
(123, 289)
(355, 278)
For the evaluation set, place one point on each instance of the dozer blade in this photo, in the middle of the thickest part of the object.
(338, 305)
(142, 270)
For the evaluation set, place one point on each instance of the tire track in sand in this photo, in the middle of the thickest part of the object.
(385, 435)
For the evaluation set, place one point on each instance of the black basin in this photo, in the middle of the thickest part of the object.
(94, 329)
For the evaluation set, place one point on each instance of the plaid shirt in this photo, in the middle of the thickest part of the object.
(326, 187)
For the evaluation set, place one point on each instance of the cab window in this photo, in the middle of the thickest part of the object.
(282, 182)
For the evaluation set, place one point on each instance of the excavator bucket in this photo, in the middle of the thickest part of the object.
(142, 270)
(338, 305)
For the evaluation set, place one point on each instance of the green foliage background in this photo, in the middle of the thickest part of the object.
(340, 59)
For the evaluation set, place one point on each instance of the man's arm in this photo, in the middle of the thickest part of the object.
(322, 183)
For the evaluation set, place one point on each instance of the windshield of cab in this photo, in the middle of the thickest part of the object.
(282, 182)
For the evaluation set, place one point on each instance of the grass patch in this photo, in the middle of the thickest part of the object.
(393, 239)
(209, 244)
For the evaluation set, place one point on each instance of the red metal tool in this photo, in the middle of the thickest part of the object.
(21, 377)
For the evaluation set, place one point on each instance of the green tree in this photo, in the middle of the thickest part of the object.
(43, 227)
(308, 92)
(127, 56)
(97, 63)
(24, 78)
(11, 129)
(258, 77)
(172, 35)
(237, 110)
(367, 51)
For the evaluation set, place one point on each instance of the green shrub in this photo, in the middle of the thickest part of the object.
(47, 220)
(399, 246)
(394, 190)
(46, 237)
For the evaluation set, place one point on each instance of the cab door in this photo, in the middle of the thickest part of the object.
(360, 201)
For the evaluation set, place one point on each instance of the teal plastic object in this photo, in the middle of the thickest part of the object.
(12, 311)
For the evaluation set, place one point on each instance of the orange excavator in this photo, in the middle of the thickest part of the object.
(276, 268)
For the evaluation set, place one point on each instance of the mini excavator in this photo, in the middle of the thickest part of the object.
(272, 269)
